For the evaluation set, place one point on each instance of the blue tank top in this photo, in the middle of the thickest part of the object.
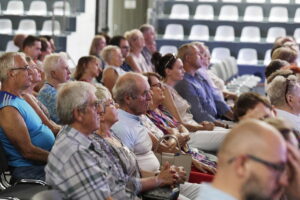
(40, 135)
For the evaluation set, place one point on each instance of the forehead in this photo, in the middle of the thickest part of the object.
(123, 42)
(142, 84)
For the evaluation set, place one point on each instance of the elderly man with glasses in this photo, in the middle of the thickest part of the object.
(284, 93)
(26, 140)
(252, 164)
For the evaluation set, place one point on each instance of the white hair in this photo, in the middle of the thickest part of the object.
(52, 62)
(7, 61)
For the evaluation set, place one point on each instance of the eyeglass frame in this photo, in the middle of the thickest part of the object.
(96, 104)
(159, 85)
(25, 68)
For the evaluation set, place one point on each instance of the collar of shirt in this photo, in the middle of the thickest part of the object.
(129, 115)
(77, 136)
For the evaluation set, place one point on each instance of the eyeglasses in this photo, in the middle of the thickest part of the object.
(159, 85)
(96, 104)
(25, 68)
(279, 167)
(110, 103)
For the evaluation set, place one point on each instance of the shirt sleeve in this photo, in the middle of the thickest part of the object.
(84, 178)
(188, 92)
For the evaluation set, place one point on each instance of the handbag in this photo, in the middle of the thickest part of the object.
(177, 159)
(162, 193)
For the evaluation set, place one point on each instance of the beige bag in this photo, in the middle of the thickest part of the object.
(177, 159)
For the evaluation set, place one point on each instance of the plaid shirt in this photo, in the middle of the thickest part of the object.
(81, 169)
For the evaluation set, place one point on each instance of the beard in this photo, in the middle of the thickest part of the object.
(253, 189)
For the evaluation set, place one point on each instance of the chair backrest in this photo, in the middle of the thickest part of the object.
(267, 58)
(250, 34)
(278, 14)
(255, 1)
(58, 8)
(229, 12)
(168, 49)
(253, 13)
(275, 32)
(297, 34)
(11, 47)
(27, 26)
(232, 1)
(204, 11)
(231, 66)
(280, 1)
(47, 28)
(297, 1)
(180, 11)
(219, 53)
(297, 15)
(199, 32)
(6, 26)
(220, 70)
(247, 56)
(208, 0)
(37, 8)
(174, 31)
(15, 7)
(224, 33)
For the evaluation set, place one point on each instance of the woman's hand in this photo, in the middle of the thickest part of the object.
(203, 167)
(167, 176)
(208, 125)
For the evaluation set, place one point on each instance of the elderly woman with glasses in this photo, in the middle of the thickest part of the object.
(284, 93)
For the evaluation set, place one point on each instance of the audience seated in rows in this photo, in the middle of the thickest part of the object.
(113, 59)
(82, 164)
(26, 140)
(275, 65)
(206, 103)
(57, 71)
(123, 44)
(32, 47)
(135, 58)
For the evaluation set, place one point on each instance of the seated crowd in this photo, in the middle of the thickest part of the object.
(93, 133)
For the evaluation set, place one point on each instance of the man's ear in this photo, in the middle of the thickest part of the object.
(240, 166)
(53, 74)
(127, 99)
(78, 115)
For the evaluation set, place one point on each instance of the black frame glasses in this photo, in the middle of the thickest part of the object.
(286, 89)
(26, 67)
(159, 85)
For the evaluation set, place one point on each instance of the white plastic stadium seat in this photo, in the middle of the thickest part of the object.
(232, 1)
(174, 31)
(250, 34)
(267, 58)
(58, 8)
(180, 11)
(255, 1)
(280, 1)
(199, 32)
(229, 12)
(275, 32)
(253, 13)
(204, 11)
(168, 49)
(247, 56)
(37, 8)
(219, 53)
(224, 33)
(27, 26)
(47, 28)
(14, 8)
(11, 47)
(297, 35)
(6, 26)
(297, 15)
(208, 0)
(278, 14)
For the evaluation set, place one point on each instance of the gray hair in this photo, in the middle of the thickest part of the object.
(7, 61)
(107, 51)
(126, 86)
(52, 62)
(277, 89)
(130, 35)
(72, 95)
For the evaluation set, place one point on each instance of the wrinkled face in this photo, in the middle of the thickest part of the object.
(62, 72)
(205, 57)
(157, 90)
(137, 41)
(91, 114)
(124, 46)
(109, 114)
(139, 104)
(265, 181)
(260, 111)
(93, 67)
(22, 73)
(116, 58)
(177, 71)
(149, 36)
(34, 51)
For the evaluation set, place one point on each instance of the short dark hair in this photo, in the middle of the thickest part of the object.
(30, 40)
(116, 40)
(150, 74)
(275, 65)
(248, 101)
(162, 63)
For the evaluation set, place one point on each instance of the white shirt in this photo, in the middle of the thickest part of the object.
(294, 120)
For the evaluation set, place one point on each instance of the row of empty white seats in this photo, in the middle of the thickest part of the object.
(28, 26)
(230, 13)
(226, 33)
(248, 1)
(39, 7)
